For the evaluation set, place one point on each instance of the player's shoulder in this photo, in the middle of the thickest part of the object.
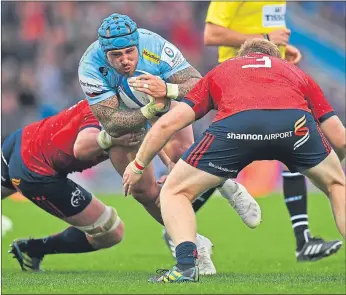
(150, 44)
(92, 57)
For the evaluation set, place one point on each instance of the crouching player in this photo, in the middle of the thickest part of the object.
(265, 112)
(35, 161)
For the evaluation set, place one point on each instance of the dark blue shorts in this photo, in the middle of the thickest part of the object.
(56, 194)
(229, 145)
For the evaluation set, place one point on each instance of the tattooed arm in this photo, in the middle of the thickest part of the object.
(117, 122)
(186, 80)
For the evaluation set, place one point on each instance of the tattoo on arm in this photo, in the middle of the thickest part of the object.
(186, 80)
(117, 122)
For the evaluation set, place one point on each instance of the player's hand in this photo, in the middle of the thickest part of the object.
(129, 139)
(130, 178)
(292, 54)
(149, 84)
(280, 36)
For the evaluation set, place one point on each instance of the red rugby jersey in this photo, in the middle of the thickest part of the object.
(257, 81)
(47, 145)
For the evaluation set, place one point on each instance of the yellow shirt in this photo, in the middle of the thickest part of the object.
(247, 18)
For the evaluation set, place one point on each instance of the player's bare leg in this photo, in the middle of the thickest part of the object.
(182, 186)
(146, 190)
(329, 177)
(96, 227)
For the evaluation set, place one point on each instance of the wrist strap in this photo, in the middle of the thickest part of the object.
(137, 166)
(104, 140)
(172, 91)
(266, 36)
(148, 111)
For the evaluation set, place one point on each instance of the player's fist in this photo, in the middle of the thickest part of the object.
(292, 54)
(149, 84)
(280, 36)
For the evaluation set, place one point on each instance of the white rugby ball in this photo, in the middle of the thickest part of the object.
(132, 98)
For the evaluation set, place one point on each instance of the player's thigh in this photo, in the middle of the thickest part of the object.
(188, 180)
(179, 143)
(146, 188)
(326, 173)
(121, 156)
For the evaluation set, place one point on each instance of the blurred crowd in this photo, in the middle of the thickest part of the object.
(42, 43)
(334, 11)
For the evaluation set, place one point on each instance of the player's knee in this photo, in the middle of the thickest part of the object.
(146, 194)
(107, 230)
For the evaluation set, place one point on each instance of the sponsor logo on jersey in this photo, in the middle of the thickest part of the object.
(169, 51)
(171, 55)
(151, 56)
(87, 84)
(91, 87)
(270, 136)
(77, 197)
(221, 168)
(103, 71)
(301, 130)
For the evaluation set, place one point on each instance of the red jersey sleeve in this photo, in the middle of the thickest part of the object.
(199, 98)
(320, 107)
(89, 119)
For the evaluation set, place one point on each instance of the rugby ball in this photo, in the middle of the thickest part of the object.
(132, 98)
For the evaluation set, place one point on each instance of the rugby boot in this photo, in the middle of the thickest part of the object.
(176, 275)
(204, 249)
(244, 204)
(26, 258)
(316, 248)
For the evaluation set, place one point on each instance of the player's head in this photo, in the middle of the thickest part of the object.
(261, 46)
(118, 37)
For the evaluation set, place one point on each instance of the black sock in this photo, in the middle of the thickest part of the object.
(295, 193)
(202, 199)
(186, 255)
(71, 240)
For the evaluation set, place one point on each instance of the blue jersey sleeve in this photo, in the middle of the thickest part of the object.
(92, 80)
(171, 60)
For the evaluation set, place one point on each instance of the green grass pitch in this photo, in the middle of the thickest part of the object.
(247, 261)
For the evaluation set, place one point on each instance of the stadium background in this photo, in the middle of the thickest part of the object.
(42, 43)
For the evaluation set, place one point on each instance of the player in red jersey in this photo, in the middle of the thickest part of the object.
(35, 161)
(267, 109)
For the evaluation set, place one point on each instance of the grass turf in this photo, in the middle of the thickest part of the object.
(247, 261)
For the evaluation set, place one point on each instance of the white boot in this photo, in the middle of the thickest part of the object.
(204, 249)
(242, 202)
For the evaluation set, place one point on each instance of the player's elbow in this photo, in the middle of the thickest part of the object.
(207, 38)
(211, 35)
(80, 152)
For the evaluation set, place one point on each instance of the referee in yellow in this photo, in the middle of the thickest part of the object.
(228, 26)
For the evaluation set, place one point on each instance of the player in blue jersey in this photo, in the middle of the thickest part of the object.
(122, 49)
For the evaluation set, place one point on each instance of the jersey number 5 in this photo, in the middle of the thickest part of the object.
(267, 63)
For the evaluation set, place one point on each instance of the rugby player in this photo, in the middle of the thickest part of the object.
(228, 26)
(268, 109)
(120, 50)
(36, 160)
